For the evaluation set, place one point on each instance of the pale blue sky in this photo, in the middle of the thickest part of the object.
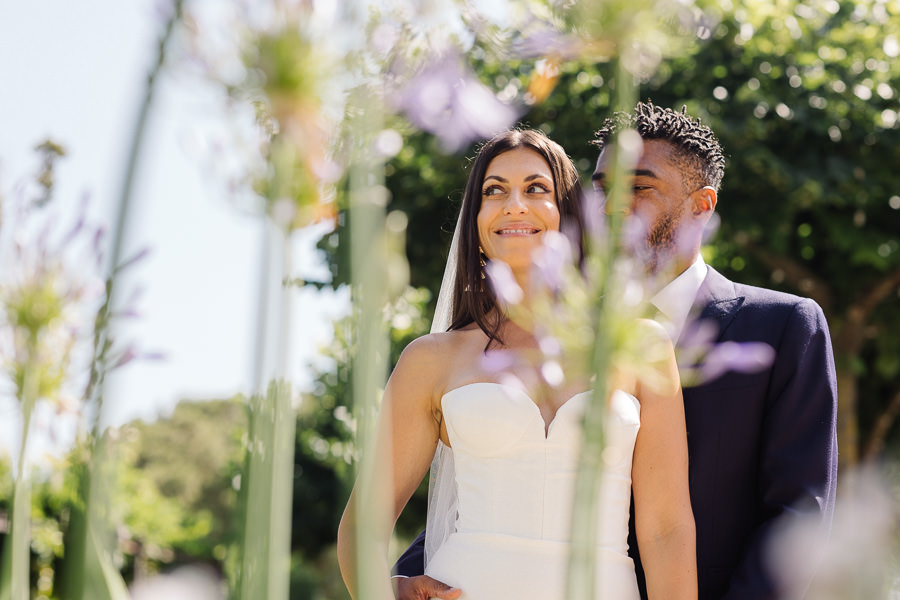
(74, 72)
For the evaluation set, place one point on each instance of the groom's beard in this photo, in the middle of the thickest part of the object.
(662, 242)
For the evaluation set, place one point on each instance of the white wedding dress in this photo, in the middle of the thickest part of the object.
(515, 485)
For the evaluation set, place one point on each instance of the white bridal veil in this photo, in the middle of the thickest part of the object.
(441, 519)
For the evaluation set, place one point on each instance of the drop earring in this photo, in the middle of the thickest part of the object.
(482, 259)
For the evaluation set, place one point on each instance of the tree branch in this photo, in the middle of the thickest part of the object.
(872, 297)
(875, 443)
(797, 275)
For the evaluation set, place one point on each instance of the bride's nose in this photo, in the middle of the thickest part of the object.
(515, 205)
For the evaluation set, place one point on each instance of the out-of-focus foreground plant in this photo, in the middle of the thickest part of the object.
(337, 88)
(52, 294)
(58, 344)
(44, 301)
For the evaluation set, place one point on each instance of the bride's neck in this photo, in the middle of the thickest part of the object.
(523, 278)
(516, 318)
(515, 329)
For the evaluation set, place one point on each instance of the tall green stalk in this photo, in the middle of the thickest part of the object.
(581, 576)
(368, 261)
(89, 571)
(268, 477)
(265, 497)
(16, 570)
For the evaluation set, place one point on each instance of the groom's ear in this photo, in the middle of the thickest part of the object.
(703, 200)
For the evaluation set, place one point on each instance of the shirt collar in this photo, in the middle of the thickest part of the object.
(674, 301)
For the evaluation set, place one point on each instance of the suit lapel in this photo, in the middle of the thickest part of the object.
(716, 301)
(714, 309)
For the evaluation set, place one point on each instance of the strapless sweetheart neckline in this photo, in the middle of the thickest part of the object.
(576, 399)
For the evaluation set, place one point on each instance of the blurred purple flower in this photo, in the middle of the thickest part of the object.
(712, 226)
(687, 234)
(97, 244)
(450, 102)
(551, 259)
(544, 40)
(134, 259)
(494, 361)
(550, 345)
(131, 353)
(634, 237)
(128, 355)
(594, 209)
(695, 340)
(79, 223)
(512, 383)
(746, 357)
(703, 360)
(502, 282)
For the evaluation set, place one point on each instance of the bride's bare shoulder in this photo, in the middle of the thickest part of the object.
(438, 348)
(428, 362)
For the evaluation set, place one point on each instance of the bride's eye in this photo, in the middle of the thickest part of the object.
(537, 188)
(492, 190)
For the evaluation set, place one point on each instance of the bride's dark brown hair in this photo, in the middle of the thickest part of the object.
(473, 300)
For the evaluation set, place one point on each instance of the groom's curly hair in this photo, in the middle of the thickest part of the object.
(696, 147)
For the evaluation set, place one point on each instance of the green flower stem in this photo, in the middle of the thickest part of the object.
(90, 572)
(267, 486)
(368, 261)
(18, 545)
(17, 553)
(580, 582)
(265, 497)
(102, 326)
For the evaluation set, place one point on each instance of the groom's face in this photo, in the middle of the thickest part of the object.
(659, 204)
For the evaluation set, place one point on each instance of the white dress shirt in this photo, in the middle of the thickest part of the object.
(674, 301)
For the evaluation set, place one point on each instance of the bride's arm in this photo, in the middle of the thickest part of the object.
(406, 438)
(664, 521)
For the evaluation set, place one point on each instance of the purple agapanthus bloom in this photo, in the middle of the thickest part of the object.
(551, 260)
(709, 360)
(634, 237)
(495, 361)
(447, 100)
(697, 337)
(745, 357)
(550, 346)
(541, 39)
(502, 282)
(594, 209)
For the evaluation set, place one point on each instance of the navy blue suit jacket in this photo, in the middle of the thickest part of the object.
(762, 446)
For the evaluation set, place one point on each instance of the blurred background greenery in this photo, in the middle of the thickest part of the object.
(804, 97)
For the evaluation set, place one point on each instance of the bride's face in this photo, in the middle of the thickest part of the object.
(518, 205)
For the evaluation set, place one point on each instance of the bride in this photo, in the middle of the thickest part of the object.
(514, 438)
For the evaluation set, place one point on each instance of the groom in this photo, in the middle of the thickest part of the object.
(763, 445)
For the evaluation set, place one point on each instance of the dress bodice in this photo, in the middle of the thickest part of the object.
(514, 479)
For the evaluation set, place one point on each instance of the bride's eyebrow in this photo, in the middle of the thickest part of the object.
(527, 179)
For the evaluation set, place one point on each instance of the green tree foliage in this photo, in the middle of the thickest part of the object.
(804, 97)
(181, 474)
(173, 500)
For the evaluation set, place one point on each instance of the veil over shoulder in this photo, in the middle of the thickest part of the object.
(441, 516)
